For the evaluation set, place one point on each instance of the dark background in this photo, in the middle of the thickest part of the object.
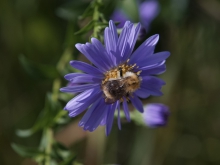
(190, 30)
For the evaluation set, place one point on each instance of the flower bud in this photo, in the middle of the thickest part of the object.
(156, 115)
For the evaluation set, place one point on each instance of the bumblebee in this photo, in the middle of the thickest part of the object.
(122, 86)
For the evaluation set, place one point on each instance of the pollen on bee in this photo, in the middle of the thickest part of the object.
(120, 82)
(119, 71)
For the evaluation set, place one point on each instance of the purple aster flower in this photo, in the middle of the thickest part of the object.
(118, 75)
(156, 115)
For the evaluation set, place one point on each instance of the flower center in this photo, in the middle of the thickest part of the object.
(120, 82)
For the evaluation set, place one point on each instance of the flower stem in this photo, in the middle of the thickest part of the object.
(48, 148)
(96, 15)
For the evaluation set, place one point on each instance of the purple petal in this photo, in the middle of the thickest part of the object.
(154, 58)
(98, 54)
(103, 122)
(146, 80)
(152, 85)
(88, 97)
(72, 75)
(89, 112)
(88, 51)
(86, 68)
(142, 93)
(126, 110)
(123, 46)
(152, 90)
(137, 103)
(152, 69)
(119, 119)
(147, 67)
(86, 78)
(96, 116)
(114, 31)
(103, 53)
(146, 49)
(123, 38)
(110, 44)
(110, 117)
(78, 88)
(133, 35)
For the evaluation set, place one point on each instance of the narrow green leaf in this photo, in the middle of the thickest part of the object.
(25, 133)
(86, 28)
(69, 161)
(88, 12)
(26, 151)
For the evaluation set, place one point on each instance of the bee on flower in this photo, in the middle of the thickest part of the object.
(118, 75)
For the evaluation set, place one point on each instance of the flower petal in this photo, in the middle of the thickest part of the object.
(82, 78)
(110, 44)
(86, 68)
(96, 53)
(119, 119)
(88, 113)
(146, 49)
(123, 46)
(152, 85)
(133, 35)
(72, 75)
(137, 103)
(88, 51)
(126, 110)
(152, 69)
(152, 91)
(96, 116)
(113, 31)
(110, 117)
(123, 38)
(83, 100)
(146, 80)
(142, 93)
(154, 58)
(78, 88)
(103, 122)
(102, 51)
(86, 78)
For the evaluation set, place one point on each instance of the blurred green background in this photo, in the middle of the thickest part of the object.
(35, 31)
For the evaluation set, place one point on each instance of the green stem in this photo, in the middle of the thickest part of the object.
(48, 145)
(56, 87)
(96, 15)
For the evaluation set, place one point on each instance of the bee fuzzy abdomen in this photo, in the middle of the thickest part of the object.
(114, 90)
(119, 83)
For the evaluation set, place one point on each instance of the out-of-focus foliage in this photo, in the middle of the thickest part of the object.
(36, 43)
